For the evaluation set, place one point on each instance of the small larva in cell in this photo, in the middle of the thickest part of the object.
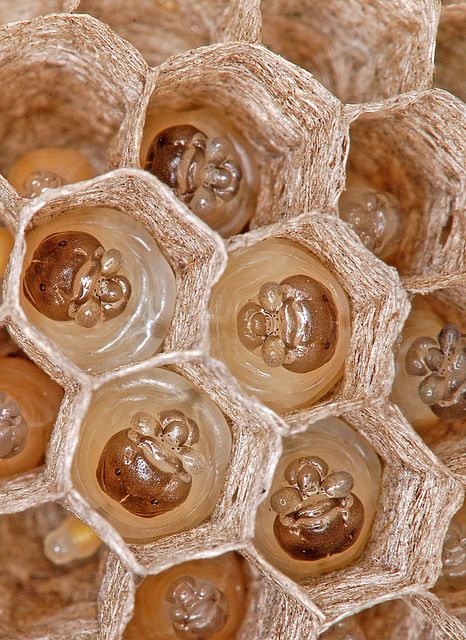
(195, 600)
(72, 540)
(48, 168)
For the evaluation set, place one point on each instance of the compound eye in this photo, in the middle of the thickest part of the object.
(338, 484)
(251, 325)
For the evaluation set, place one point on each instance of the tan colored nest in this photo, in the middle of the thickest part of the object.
(72, 80)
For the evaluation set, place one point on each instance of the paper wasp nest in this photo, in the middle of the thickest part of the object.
(232, 319)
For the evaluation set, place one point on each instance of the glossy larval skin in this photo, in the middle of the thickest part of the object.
(71, 541)
(207, 163)
(72, 277)
(6, 245)
(148, 467)
(317, 513)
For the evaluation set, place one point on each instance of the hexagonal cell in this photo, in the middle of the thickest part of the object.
(266, 309)
(201, 598)
(159, 464)
(125, 608)
(39, 597)
(12, 10)
(254, 137)
(203, 488)
(451, 50)
(67, 126)
(276, 313)
(430, 379)
(349, 46)
(85, 275)
(86, 295)
(412, 150)
(160, 29)
(319, 511)
(395, 557)
(29, 404)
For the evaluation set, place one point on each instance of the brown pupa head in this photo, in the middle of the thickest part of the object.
(204, 172)
(148, 468)
(440, 365)
(72, 277)
(294, 323)
(375, 217)
(317, 513)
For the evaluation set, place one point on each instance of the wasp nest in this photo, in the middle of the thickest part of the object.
(232, 320)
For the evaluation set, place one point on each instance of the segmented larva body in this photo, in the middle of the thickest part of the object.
(321, 505)
(152, 454)
(29, 404)
(376, 218)
(198, 600)
(280, 320)
(207, 163)
(71, 541)
(48, 168)
(430, 381)
(85, 275)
